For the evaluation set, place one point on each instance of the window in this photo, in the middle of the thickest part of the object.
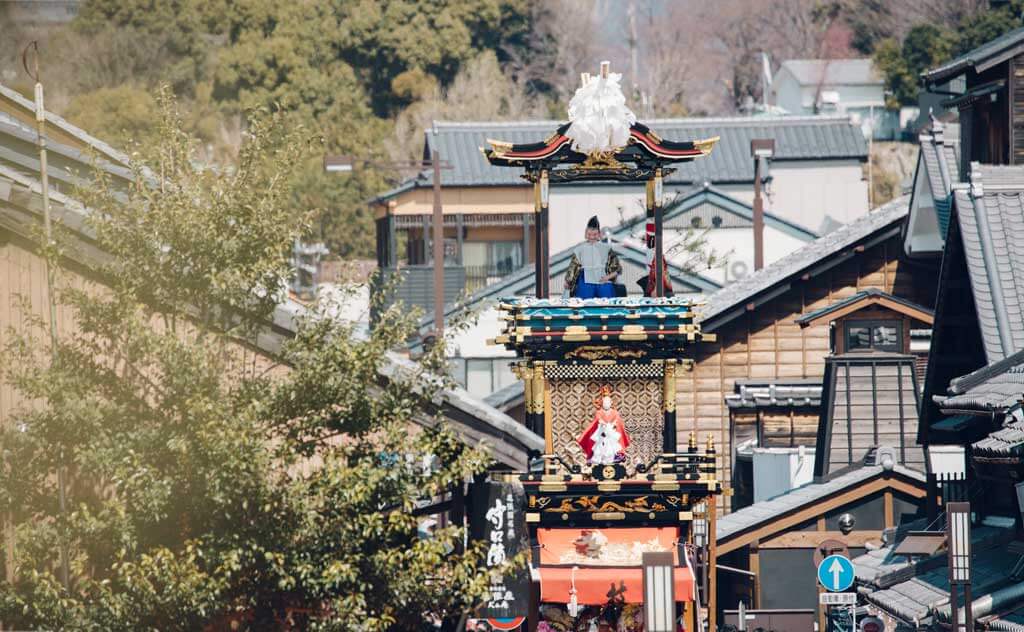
(874, 335)
(483, 376)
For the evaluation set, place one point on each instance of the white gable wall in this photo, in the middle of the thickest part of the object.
(803, 192)
(923, 228)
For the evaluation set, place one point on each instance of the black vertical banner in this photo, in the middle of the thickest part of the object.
(498, 520)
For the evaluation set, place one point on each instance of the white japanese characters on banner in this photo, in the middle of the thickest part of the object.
(505, 538)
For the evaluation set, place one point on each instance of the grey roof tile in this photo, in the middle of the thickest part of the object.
(991, 218)
(749, 517)
(916, 598)
(796, 138)
(812, 255)
(989, 53)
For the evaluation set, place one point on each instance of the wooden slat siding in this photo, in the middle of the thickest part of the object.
(799, 353)
(23, 273)
(1017, 127)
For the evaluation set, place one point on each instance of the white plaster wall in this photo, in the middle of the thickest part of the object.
(472, 341)
(803, 192)
(788, 94)
(798, 99)
(923, 234)
(571, 206)
(737, 245)
(806, 192)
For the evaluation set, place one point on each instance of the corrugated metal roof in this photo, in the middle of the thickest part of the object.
(813, 72)
(988, 54)
(991, 219)
(814, 255)
(796, 138)
(750, 517)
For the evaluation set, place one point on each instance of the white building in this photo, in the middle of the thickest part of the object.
(845, 86)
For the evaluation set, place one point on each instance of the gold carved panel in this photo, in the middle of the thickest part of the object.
(638, 400)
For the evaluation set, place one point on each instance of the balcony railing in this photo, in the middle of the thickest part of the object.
(479, 277)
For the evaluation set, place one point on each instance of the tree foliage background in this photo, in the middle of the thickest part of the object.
(369, 75)
(209, 483)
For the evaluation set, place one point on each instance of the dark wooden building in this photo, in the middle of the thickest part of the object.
(986, 86)
(760, 335)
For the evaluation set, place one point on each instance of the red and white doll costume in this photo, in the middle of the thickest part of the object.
(605, 440)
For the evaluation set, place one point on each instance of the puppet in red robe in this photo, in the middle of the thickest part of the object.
(605, 440)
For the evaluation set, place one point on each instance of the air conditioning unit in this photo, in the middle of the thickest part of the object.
(738, 270)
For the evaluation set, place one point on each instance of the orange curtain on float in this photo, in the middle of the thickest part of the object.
(620, 565)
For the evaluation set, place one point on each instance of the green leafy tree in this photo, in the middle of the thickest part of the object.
(924, 46)
(119, 115)
(209, 483)
(985, 26)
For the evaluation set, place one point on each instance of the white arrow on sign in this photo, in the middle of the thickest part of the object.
(836, 569)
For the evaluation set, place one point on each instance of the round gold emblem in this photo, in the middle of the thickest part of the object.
(608, 471)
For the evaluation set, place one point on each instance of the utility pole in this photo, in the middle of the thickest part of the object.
(761, 150)
(435, 160)
(49, 252)
(634, 64)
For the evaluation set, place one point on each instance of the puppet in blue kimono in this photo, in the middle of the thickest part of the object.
(593, 268)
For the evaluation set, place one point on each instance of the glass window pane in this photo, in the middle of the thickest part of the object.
(503, 375)
(474, 253)
(506, 256)
(884, 336)
(858, 338)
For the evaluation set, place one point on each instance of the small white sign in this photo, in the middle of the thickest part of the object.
(837, 599)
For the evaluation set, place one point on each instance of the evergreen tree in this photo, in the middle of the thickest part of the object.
(209, 482)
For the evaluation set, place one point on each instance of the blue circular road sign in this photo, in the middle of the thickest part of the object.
(835, 573)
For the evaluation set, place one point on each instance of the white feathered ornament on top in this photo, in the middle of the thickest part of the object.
(599, 118)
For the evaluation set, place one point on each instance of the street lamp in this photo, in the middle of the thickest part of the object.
(659, 592)
(958, 538)
(760, 149)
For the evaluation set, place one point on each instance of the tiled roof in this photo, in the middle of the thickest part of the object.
(941, 159)
(813, 72)
(706, 193)
(1007, 441)
(750, 517)
(775, 393)
(991, 218)
(814, 258)
(985, 56)
(998, 392)
(914, 591)
(859, 296)
(796, 138)
(96, 144)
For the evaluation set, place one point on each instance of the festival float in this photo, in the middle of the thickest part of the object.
(614, 515)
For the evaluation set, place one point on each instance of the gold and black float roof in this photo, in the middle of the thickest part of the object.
(548, 328)
(645, 150)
